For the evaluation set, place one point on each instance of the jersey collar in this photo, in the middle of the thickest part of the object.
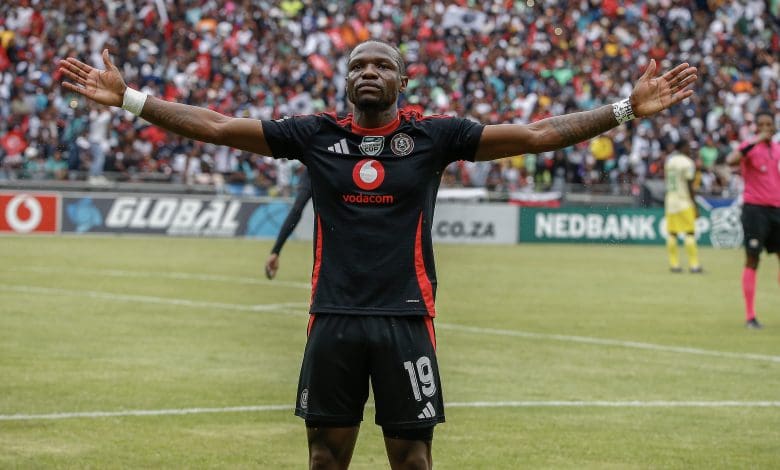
(384, 130)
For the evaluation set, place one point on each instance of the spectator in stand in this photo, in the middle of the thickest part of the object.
(603, 151)
(708, 153)
(99, 121)
(56, 166)
(12, 146)
(76, 125)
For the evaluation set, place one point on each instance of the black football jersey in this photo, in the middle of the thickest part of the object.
(374, 193)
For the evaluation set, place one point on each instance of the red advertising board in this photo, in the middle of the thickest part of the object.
(22, 212)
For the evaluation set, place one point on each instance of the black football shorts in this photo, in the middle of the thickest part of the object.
(761, 225)
(397, 354)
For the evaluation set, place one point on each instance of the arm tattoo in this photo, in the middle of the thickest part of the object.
(181, 119)
(570, 129)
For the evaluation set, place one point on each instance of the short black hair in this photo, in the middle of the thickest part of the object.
(683, 145)
(399, 60)
(765, 112)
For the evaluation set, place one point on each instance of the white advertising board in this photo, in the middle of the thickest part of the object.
(453, 222)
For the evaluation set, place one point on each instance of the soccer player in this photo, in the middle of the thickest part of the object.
(374, 177)
(680, 207)
(759, 161)
(289, 224)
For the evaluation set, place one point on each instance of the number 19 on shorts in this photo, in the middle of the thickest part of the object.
(421, 377)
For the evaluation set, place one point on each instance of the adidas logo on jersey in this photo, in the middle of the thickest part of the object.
(340, 147)
(427, 412)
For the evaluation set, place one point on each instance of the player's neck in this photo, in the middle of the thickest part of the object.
(373, 119)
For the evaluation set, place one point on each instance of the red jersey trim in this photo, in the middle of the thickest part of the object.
(431, 331)
(315, 272)
(384, 130)
(311, 324)
(406, 114)
(422, 276)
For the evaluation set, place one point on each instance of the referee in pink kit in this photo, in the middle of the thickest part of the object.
(759, 160)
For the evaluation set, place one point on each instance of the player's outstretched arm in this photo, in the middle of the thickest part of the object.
(651, 94)
(108, 87)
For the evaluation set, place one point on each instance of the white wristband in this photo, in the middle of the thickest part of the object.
(133, 101)
(623, 111)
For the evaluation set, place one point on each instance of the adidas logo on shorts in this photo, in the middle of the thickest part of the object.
(427, 412)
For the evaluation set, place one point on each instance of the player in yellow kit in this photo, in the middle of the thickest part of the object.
(680, 208)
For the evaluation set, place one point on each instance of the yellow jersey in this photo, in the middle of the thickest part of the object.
(679, 169)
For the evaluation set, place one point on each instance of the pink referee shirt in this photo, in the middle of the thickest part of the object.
(761, 173)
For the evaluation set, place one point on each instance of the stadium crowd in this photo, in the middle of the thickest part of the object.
(493, 60)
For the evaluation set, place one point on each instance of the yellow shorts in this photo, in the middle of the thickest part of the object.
(681, 222)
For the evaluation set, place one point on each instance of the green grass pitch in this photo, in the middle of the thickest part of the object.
(552, 356)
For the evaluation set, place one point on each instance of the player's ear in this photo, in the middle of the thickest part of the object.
(404, 83)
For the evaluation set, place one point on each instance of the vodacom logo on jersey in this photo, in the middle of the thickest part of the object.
(368, 174)
(26, 213)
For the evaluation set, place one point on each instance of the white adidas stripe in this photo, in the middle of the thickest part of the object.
(427, 412)
(340, 147)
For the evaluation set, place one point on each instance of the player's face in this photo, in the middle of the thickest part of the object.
(765, 123)
(373, 78)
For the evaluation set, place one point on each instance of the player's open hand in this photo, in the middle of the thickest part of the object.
(103, 86)
(653, 94)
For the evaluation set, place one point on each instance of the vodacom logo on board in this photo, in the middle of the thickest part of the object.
(28, 213)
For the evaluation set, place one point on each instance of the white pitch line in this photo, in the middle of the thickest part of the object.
(169, 275)
(616, 404)
(608, 342)
(272, 308)
(109, 414)
(476, 404)
(279, 308)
